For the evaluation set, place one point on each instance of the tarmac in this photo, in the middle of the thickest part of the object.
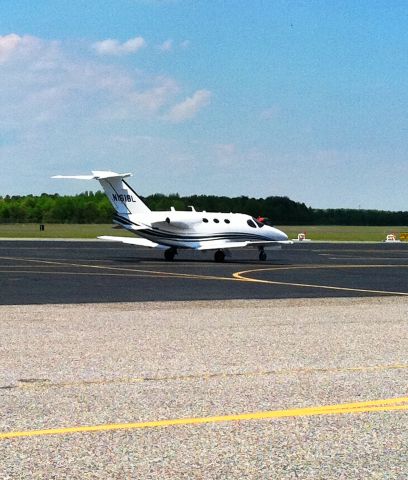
(41, 272)
(262, 383)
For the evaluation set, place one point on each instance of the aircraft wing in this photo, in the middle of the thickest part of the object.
(141, 242)
(221, 244)
(270, 243)
(217, 244)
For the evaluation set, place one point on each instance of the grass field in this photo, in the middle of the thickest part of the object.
(332, 233)
(344, 233)
(58, 230)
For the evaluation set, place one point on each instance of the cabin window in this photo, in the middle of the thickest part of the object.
(216, 220)
(251, 223)
(227, 221)
(205, 220)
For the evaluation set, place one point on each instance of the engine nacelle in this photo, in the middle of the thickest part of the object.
(177, 219)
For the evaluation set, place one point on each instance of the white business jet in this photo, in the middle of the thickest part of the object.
(173, 230)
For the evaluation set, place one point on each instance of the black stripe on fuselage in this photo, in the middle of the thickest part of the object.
(158, 237)
(123, 220)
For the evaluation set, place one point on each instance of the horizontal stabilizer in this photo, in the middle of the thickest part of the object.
(141, 242)
(75, 177)
(100, 175)
(121, 195)
(96, 175)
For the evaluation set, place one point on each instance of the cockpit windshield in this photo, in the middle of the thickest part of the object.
(253, 222)
(260, 224)
(265, 221)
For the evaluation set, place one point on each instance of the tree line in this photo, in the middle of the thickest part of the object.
(90, 207)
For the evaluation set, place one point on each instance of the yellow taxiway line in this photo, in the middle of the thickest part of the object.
(242, 276)
(126, 271)
(392, 404)
(237, 276)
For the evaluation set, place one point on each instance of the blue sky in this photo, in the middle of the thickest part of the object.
(300, 98)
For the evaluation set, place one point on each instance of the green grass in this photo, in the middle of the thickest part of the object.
(339, 233)
(58, 230)
(343, 233)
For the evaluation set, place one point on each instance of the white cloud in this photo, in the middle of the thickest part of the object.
(189, 107)
(46, 88)
(114, 47)
(157, 96)
(40, 82)
(13, 45)
(169, 45)
(8, 44)
(63, 109)
(166, 46)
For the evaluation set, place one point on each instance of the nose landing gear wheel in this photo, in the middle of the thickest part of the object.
(262, 255)
(219, 256)
(170, 253)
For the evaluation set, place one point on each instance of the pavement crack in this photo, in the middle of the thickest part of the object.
(37, 383)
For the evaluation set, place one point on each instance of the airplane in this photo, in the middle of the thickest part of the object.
(174, 229)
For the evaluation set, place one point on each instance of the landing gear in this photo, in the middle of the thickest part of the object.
(262, 254)
(170, 253)
(219, 256)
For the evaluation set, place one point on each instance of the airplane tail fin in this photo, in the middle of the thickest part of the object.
(121, 195)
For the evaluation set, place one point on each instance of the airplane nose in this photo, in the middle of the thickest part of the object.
(279, 235)
(284, 236)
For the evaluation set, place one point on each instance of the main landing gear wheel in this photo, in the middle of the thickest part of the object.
(170, 253)
(219, 256)
(262, 255)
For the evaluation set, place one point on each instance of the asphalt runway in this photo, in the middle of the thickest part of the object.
(53, 272)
